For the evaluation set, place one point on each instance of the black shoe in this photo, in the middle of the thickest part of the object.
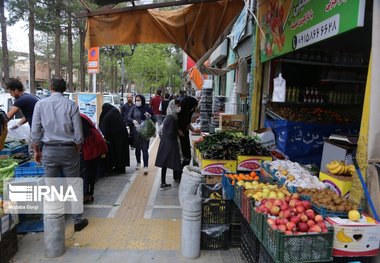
(165, 186)
(79, 226)
(88, 200)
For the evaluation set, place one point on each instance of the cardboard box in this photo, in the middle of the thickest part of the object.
(333, 150)
(340, 184)
(251, 163)
(217, 167)
(355, 239)
(213, 179)
(231, 122)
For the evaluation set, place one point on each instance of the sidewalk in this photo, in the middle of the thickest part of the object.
(131, 220)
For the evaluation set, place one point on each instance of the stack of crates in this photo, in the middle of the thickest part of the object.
(30, 222)
(8, 245)
(215, 219)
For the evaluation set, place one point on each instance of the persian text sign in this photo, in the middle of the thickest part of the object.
(293, 24)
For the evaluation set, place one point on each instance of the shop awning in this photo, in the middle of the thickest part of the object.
(195, 28)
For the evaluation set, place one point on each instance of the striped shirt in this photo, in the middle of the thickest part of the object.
(56, 119)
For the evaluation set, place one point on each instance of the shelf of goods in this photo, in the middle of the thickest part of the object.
(205, 109)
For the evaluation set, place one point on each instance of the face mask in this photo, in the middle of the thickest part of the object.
(138, 103)
(178, 109)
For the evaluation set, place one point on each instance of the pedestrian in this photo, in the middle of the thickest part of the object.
(3, 128)
(164, 105)
(24, 102)
(94, 146)
(116, 135)
(188, 106)
(168, 155)
(139, 113)
(181, 95)
(155, 103)
(124, 113)
(57, 137)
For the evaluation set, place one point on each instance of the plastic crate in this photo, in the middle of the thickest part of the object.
(249, 244)
(354, 259)
(8, 246)
(8, 152)
(29, 169)
(235, 235)
(265, 257)
(235, 214)
(214, 211)
(214, 241)
(298, 248)
(30, 223)
(246, 207)
(257, 221)
(237, 196)
(228, 188)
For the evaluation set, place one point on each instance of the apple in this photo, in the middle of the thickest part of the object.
(274, 227)
(325, 230)
(282, 228)
(310, 214)
(292, 202)
(290, 226)
(287, 199)
(284, 206)
(310, 223)
(298, 203)
(322, 224)
(278, 221)
(278, 202)
(318, 218)
(271, 221)
(295, 196)
(304, 218)
(300, 209)
(275, 210)
(303, 227)
(288, 232)
(268, 204)
(287, 214)
(306, 204)
(315, 228)
(295, 219)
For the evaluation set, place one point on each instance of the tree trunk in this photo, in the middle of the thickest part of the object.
(82, 60)
(70, 51)
(32, 58)
(57, 48)
(4, 42)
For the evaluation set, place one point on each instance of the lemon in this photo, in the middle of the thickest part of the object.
(354, 215)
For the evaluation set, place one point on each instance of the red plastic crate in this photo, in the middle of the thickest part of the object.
(246, 207)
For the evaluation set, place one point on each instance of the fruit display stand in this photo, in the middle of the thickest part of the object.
(339, 183)
(250, 163)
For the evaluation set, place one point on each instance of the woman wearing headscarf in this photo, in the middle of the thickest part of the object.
(137, 114)
(188, 106)
(115, 133)
(168, 150)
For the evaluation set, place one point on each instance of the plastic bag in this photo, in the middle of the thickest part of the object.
(190, 181)
(279, 89)
(215, 230)
(147, 129)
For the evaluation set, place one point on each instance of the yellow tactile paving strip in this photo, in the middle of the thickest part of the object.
(129, 230)
(117, 233)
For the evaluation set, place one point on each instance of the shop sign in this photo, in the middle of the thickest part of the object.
(288, 25)
(93, 60)
(238, 29)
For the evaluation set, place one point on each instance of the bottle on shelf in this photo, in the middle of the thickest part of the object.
(298, 94)
(294, 99)
(306, 96)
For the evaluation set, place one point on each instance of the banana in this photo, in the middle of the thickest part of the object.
(342, 237)
(352, 169)
(332, 165)
(338, 169)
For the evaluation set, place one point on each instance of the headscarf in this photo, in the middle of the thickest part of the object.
(106, 108)
(184, 117)
(142, 98)
(171, 109)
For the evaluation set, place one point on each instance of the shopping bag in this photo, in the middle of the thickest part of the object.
(147, 129)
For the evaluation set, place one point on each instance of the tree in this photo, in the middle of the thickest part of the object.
(4, 42)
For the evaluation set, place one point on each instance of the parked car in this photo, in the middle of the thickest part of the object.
(70, 95)
(112, 99)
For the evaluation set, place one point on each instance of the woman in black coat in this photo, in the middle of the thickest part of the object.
(115, 133)
(168, 150)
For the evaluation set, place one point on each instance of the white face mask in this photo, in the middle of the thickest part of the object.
(178, 109)
(138, 103)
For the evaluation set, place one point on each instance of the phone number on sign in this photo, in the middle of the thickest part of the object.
(321, 31)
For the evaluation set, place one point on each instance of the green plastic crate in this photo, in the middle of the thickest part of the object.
(237, 196)
(257, 222)
(298, 248)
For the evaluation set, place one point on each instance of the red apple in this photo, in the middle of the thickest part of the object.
(271, 221)
(287, 214)
(285, 221)
(325, 230)
(265, 210)
(303, 227)
(278, 221)
(292, 202)
(282, 228)
(322, 224)
(298, 203)
(295, 219)
(274, 227)
(275, 210)
(295, 196)
(310, 214)
(268, 204)
(310, 223)
(304, 218)
(300, 209)
(290, 226)
(284, 206)
(288, 232)
(306, 204)
(278, 202)
(318, 218)
(287, 199)
(315, 229)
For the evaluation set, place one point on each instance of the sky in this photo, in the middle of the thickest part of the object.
(18, 37)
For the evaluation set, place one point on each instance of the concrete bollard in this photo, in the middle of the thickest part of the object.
(191, 227)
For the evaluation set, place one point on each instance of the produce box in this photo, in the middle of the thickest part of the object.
(246, 206)
(29, 169)
(214, 209)
(310, 247)
(8, 152)
(231, 122)
(217, 167)
(251, 163)
(257, 222)
(355, 238)
(340, 184)
(214, 237)
(213, 179)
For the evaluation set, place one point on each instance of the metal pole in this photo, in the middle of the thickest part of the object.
(94, 83)
(122, 76)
